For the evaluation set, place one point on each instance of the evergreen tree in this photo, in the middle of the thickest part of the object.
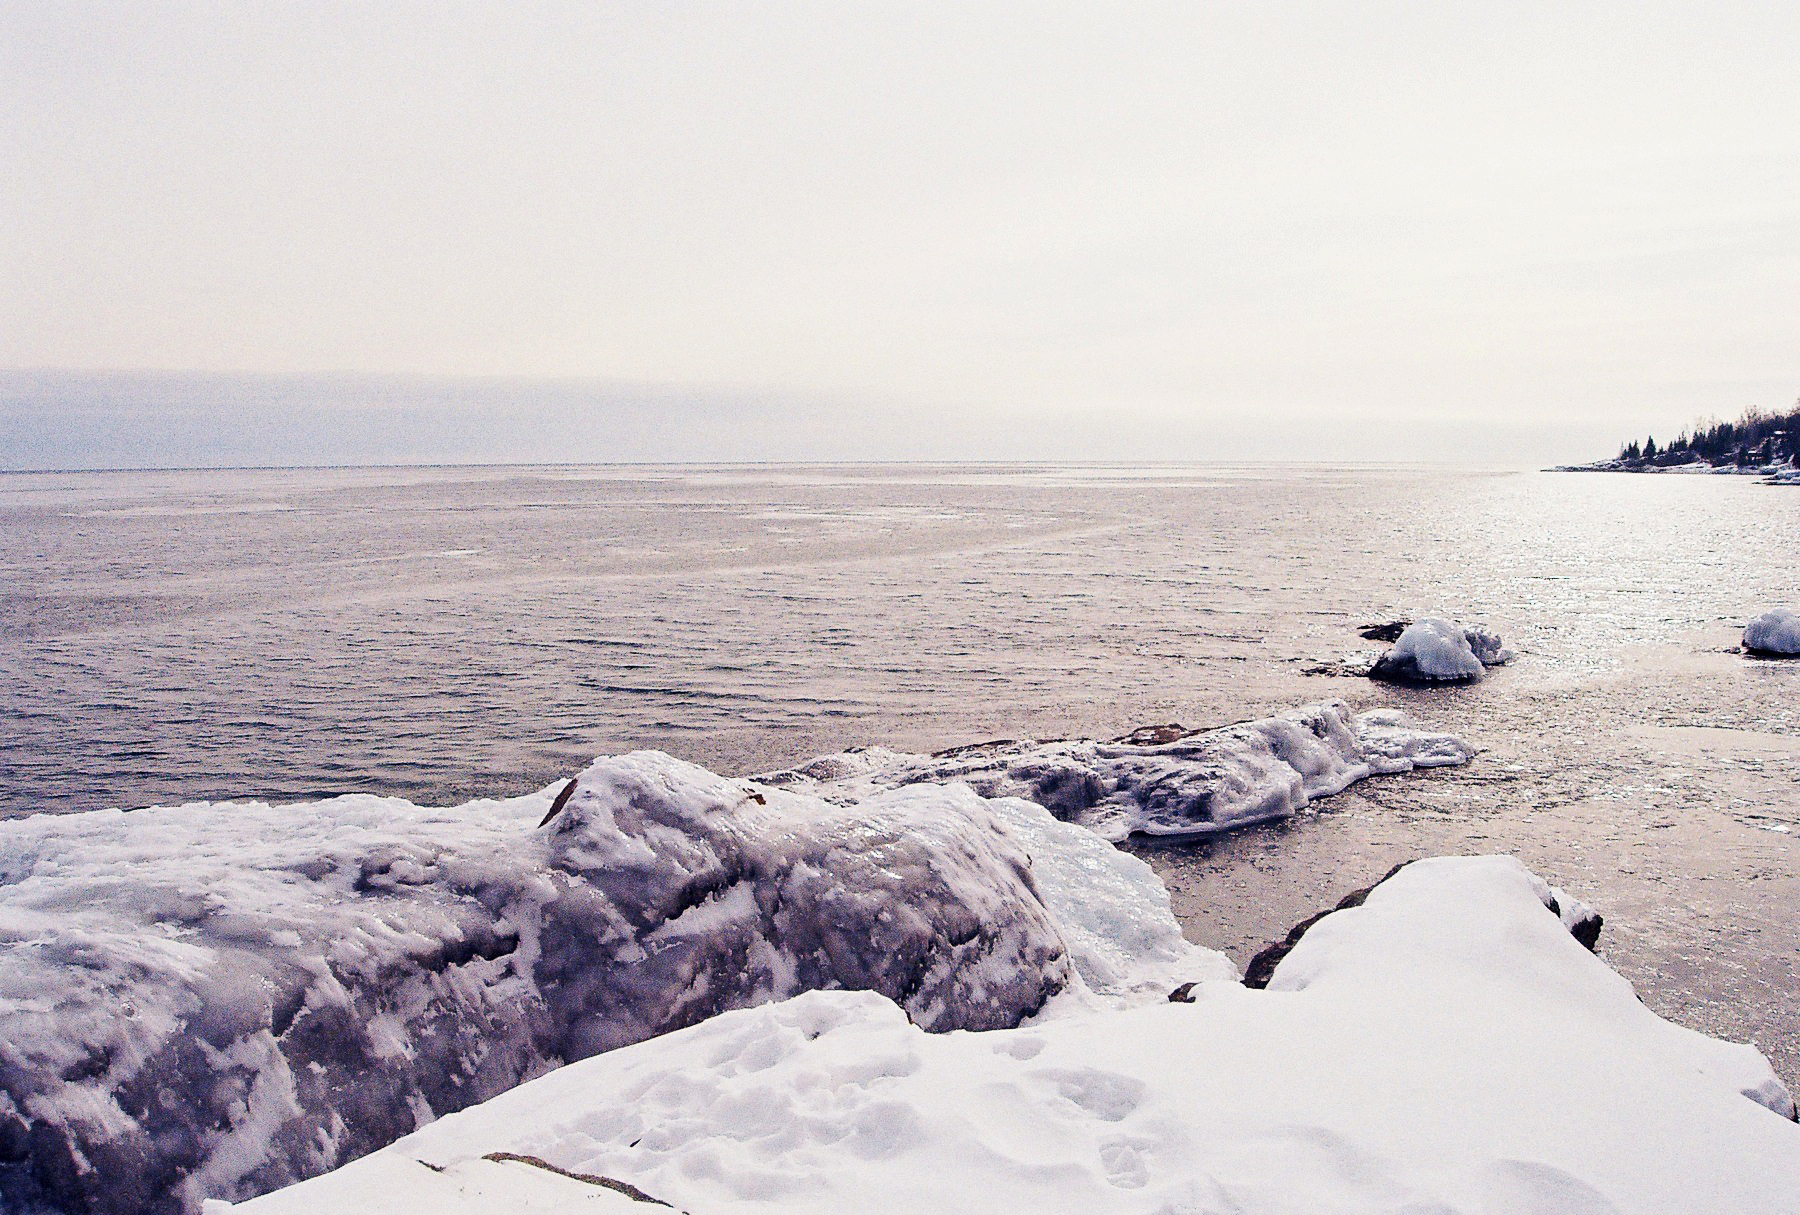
(1756, 438)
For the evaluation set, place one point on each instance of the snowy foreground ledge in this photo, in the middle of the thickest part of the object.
(1192, 784)
(1446, 1047)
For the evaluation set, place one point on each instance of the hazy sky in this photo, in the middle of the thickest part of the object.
(1501, 232)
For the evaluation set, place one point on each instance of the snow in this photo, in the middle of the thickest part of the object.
(1444, 1047)
(217, 999)
(1776, 632)
(1435, 650)
(1200, 783)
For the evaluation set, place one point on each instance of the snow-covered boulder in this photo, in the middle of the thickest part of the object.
(1776, 632)
(1446, 1047)
(1440, 651)
(1197, 783)
(214, 1000)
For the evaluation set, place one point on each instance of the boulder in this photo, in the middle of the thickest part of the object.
(1430, 651)
(1775, 633)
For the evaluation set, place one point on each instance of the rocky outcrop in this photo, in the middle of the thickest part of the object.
(213, 1001)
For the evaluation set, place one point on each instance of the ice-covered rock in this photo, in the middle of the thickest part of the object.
(1198, 783)
(214, 1000)
(1776, 632)
(1485, 644)
(1112, 911)
(1446, 1047)
(1440, 651)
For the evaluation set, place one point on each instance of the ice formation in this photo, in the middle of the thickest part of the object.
(1198, 783)
(1445, 1047)
(1776, 632)
(1485, 644)
(1440, 651)
(214, 1000)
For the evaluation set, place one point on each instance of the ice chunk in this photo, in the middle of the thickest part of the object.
(1112, 911)
(1776, 632)
(1445, 1047)
(214, 1000)
(1431, 651)
(1484, 643)
(1198, 783)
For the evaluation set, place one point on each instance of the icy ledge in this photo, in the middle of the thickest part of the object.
(1192, 784)
(216, 1000)
(1447, 1047)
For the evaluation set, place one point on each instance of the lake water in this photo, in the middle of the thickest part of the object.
(444, 633)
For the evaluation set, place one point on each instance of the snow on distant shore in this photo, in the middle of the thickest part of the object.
(1193, 783)
(1447, 1047)
(1779, 472)
(214, 1000)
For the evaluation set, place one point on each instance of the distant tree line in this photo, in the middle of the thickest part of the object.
(1755, 439)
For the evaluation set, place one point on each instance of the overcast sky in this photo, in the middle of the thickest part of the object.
(1503, 232)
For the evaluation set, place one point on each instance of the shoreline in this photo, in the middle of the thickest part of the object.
(1784, 473)
(652, 886)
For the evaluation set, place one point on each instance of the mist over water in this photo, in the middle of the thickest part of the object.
(440, 634)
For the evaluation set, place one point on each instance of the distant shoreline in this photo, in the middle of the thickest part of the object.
(1783, 473)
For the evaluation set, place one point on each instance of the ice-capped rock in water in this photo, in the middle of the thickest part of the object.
(1198, 783)
(1776, 632)
(1440, 651)
(1445, 1047)
(214, 1000)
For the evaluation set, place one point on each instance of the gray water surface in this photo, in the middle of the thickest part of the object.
(446, 633)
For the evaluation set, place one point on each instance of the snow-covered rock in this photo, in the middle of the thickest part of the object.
(1440, 651)
(1444, 1047)
(1199, 783)
(1776, 632)
(214, 1000)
